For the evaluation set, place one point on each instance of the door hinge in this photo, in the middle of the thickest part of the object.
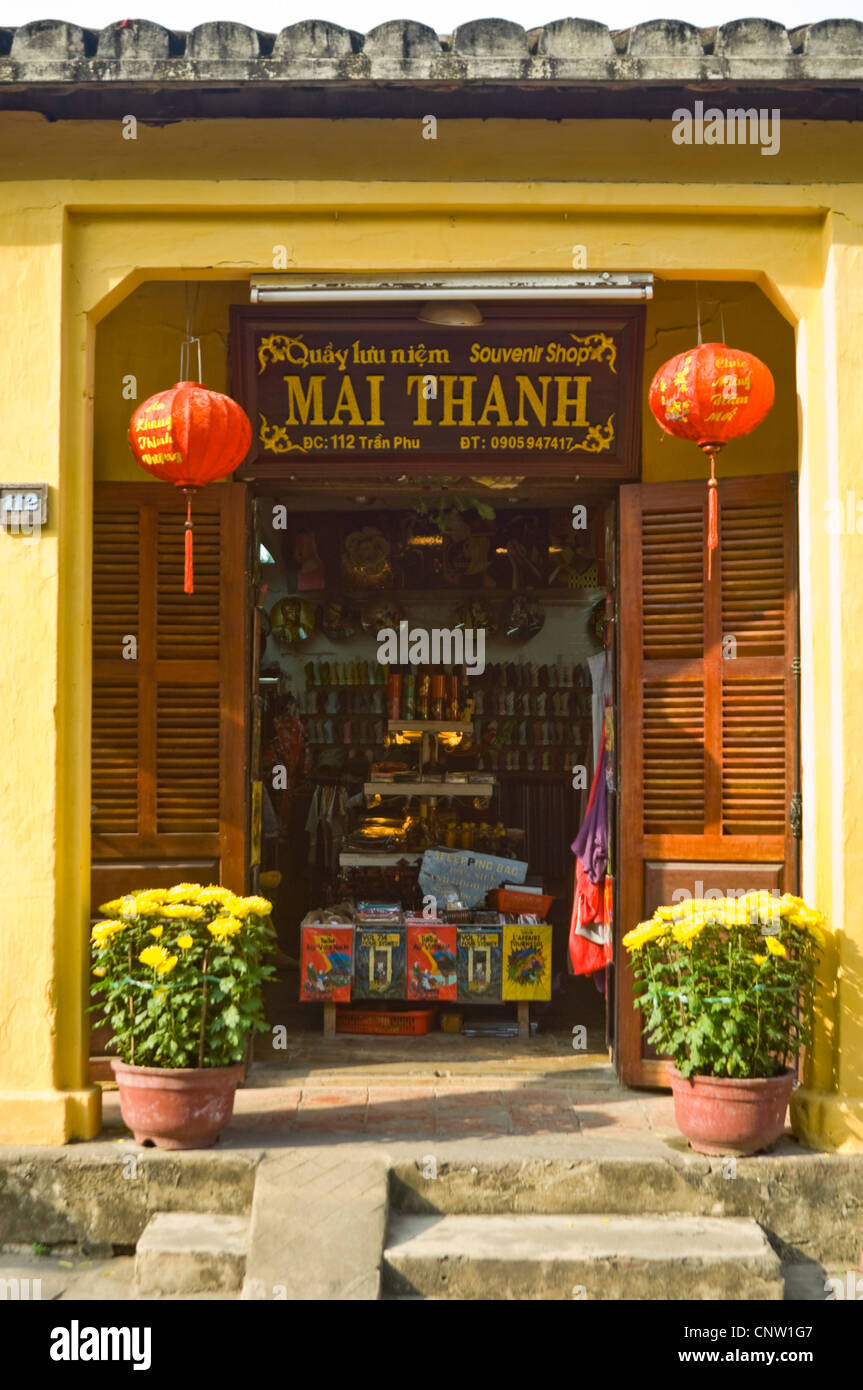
(795, 816)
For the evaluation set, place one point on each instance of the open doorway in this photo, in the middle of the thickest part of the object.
(378, 763)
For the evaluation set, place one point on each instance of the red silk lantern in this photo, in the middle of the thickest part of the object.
(189, 436)
(710, 394)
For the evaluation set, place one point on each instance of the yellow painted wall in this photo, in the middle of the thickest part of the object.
(85, 220)
(141, 338)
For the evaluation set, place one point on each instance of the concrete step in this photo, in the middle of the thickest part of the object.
(790, 1193)
(189, 1252)
(581, 1257)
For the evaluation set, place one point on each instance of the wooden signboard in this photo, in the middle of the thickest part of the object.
(557, 390)
(467, 873)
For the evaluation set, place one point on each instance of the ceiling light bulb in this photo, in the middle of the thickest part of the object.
(452, 313)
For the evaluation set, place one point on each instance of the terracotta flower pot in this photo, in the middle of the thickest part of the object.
(730, 1115)
(176, 1107)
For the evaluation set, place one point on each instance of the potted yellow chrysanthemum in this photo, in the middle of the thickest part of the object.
(725, 986)
(178, 978)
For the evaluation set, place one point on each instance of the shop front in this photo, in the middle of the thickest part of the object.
(156, 736)
(454, 688)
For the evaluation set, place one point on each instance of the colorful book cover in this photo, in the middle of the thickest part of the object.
(431, 961)
(480, 959)
(379, 964)
(527, 962)
(326, 964)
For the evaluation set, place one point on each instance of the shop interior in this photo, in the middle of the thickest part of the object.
(432, 663)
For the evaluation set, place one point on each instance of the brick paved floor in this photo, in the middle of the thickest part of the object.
(452, 1109)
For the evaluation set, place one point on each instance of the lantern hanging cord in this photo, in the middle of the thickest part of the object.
(190, 340)
(698, 312)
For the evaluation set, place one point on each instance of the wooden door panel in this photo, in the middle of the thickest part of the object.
(706, 697)
(169, 722)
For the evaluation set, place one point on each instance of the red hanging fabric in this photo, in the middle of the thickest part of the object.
(591, 901)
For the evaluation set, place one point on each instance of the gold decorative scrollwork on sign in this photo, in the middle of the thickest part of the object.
(598, 345)
(275, 438)
(275, 348)
(599, 437)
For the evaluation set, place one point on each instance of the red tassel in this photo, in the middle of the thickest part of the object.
(189, 576)
(712, 519)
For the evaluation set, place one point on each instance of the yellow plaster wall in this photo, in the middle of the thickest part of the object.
(44, 1096)
(141, 338)
(72, 249)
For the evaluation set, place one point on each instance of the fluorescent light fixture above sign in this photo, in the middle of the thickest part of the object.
(305, 289)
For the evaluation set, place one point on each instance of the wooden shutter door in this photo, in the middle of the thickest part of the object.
(169, 730)
(707, 709)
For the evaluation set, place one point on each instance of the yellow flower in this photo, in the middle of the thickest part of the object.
(112, 908)
(184, 892)
(166, 966)
(184, 942)
(223, 927)
(159, 995)
(775, 946)
(256, 906)
(644, 932)
(133, 908)
(788, 905)
(100, 970)
(156, 931)
(685, 933)
(214, 894)
(103, 930)
(153, 955)
(152, 895)
(182, 912)
(759, 960)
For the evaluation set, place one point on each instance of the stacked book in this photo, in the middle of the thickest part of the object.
(370, 914)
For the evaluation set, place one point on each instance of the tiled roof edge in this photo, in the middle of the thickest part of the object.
(484, 50)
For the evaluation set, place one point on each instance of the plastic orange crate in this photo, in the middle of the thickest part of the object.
(412, 1022)
(508, 900)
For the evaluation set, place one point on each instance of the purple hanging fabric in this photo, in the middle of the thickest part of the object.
(591, 843)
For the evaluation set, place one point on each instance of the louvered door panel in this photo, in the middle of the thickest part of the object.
(671, 585)
(187, 759)
(187, 625)
(114, 760)
(169, 743)
(115, 581)
(673, 758)
(753, 579)
(755, 794)
(706, 705)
